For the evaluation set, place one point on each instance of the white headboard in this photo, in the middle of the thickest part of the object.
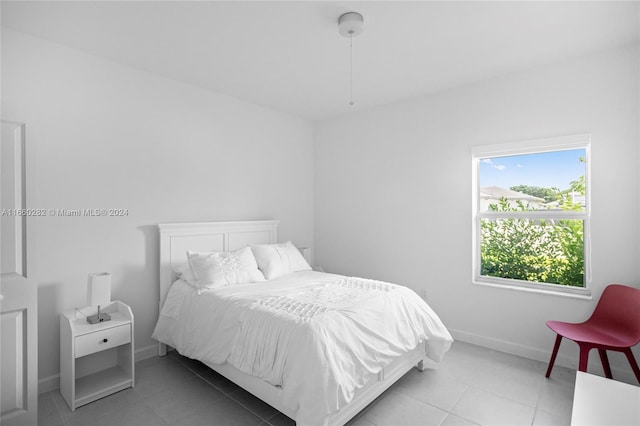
(177, 238)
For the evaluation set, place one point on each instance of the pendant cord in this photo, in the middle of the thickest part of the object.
(350, 25)
(351, 69)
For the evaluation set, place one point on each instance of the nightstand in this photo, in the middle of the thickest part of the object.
(96, 360)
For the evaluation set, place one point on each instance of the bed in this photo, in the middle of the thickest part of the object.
(325, 357)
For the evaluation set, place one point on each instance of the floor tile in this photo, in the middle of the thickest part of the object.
(462, 361)
(517, 384)
(556, 398)
(174, 403)
(48, 414)
(220, 382)
(562, 375)
(431, 387)
(213, 378)
(360, 421)
(395, 409)
(485, 408)
(139, 415)
(542, 418)
(253, 404)
(452, 420)
(220, 412)
(281, 420)
(158, 377)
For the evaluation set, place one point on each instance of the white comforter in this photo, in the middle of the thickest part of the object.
(318, 336)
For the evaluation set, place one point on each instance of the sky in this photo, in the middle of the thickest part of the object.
(546, 170)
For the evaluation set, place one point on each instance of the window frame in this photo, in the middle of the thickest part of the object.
(560, 143)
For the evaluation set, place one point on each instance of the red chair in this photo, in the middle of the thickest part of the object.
(613, 326)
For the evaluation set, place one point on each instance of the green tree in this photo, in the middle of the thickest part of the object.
(533, 250)
(548, 194)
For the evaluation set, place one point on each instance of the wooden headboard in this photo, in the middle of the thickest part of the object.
(177, 238)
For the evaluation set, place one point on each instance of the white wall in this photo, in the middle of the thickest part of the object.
(100, 135)
(393, 192)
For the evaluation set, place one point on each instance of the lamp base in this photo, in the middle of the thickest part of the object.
(99, 317)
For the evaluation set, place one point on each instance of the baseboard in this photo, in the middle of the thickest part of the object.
(49, 384)
(510, 347)
(146, 352)
(538, 354)
(52, 383)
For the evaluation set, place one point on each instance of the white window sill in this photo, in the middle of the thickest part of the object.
(550, 289)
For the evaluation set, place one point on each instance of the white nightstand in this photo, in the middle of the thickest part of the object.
(96, 360)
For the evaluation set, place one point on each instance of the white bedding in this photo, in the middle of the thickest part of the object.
(319, 336)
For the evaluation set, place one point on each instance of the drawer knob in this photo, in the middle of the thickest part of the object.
(105, 340)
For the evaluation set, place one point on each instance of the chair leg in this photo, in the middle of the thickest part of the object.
(556, 346)
(632, 361)
(605, 363)
(584, 358)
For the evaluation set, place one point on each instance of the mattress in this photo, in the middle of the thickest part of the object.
(318, 337)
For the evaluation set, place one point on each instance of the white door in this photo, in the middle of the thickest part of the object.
(18, 351)
(18, 300)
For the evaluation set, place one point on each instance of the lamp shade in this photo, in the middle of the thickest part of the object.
(99, 289)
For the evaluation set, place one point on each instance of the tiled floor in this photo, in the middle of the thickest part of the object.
(473, 385)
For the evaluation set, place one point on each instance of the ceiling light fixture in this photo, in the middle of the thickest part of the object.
(350, 25)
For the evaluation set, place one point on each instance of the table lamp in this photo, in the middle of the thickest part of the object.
(99, 294)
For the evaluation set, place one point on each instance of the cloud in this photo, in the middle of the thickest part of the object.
(520, 166)
(490, 162)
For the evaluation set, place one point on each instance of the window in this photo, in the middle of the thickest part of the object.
(531, 214)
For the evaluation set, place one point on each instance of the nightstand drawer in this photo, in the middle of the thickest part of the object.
(102, 340)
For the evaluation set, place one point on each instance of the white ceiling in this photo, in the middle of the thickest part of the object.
(289, 56)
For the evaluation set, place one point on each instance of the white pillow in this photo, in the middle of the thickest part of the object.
(185, 273)
(275, 260)
(220, 269)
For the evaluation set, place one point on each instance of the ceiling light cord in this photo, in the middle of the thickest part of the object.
(351, 70)
(350, 25)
